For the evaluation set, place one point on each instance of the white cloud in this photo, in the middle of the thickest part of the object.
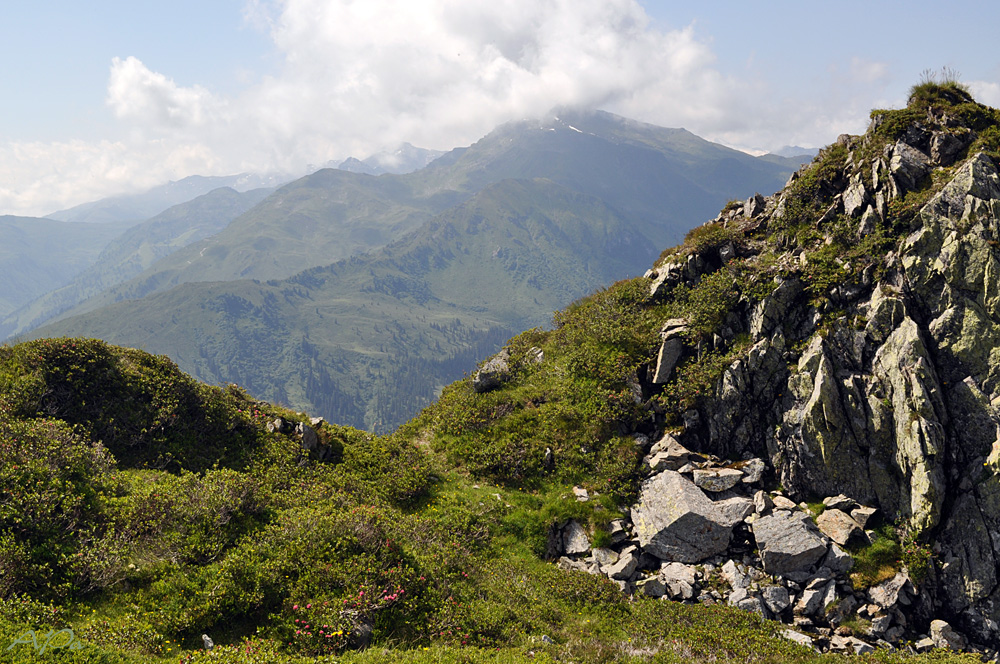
(137, 94)
(361, 77)
(985, 92)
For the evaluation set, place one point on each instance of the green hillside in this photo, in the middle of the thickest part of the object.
(369, 341)
(134, 251)
(39, 255)
(486, 240)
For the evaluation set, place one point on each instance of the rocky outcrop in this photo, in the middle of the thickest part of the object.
(879, 391)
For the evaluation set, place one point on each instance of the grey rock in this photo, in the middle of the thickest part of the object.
(839, 502)
(575, 540)
(814, 601)
(850, 645)
(651, 587)
(754, 605)
(787, 542)
(308, 437)
(924, 645)
(668, 454)
(908, 165)
(581, 494)
(772, 311)
(881, 624)
(837, 560)
(762, 502)
(617, 531)
(892, 592)
(675, 521)
(782, 503)
(776, 598)
(717, 479)
(624, 569)
(753, 470)
(839, 527)
(800, 638)
(604, 557)
(855, 197)
(493, 374)
(863, 515)
(754, 205)
(735, 509)
(944, 636)
(670, 354)
(736, 578)
(679, 580)
(838, 612)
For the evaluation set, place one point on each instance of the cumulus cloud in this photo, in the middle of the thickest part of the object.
(360, 77)
(137, 94)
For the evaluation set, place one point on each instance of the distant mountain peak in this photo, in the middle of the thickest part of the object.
(404, 159)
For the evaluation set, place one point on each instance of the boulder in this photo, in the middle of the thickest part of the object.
(762, 502)
(945, 637)
(837, 560)
(776, 598)
(575, 540)
(679, 579)
(782, 503)
(675, 521)
(493, 374)
(670, 354)
(753, 470)
(735, 509)
(839, 527)
(788, 542)
(895, 591)
(839, 502)
(668, 454)
(735, 576)
(623, 570)
(651, 587)
(717, 479)
(863, 515)
(908, 165)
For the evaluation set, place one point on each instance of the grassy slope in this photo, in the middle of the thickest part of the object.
(281, 557)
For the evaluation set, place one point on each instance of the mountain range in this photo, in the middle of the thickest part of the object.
(420, 272)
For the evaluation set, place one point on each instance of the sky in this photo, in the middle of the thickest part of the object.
(108, 97)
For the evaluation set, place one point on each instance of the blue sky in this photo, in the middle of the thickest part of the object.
(107, 97)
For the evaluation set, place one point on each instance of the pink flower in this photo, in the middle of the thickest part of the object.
(295, 607)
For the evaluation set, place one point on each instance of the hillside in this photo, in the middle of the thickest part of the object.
(664, 179)
(39, 255)
(369, 341)
(529, 218)
(132, 252)
(150, 203)
(788, 419)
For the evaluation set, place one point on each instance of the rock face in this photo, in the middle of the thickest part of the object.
(675, 521)
(878, 388)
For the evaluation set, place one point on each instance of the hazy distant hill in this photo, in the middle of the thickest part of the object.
(483, 242)
(132, 252)
(38, 255)
(137, 207)
(406, 159)
(668, 178)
